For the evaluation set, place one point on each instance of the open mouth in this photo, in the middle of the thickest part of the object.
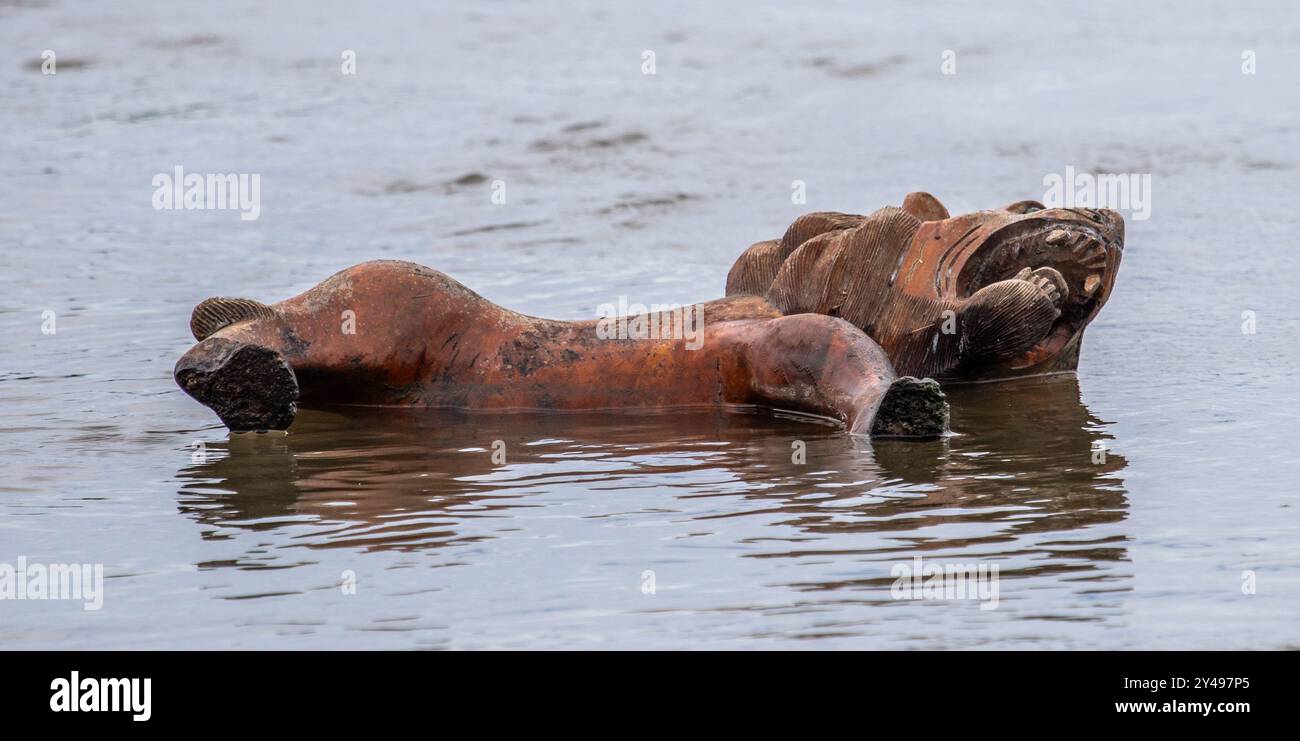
(1077, 259)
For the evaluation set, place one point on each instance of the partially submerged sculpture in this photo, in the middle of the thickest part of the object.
(989, 294)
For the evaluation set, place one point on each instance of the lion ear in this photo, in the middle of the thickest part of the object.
(924, 207)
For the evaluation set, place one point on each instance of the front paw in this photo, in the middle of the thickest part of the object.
(1047, 280)
(1003, 320)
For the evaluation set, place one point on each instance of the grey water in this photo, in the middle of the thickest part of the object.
(641, 531)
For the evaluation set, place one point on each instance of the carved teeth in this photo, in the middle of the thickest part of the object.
(1090, 284)
(1057, 236)
(1095, 256)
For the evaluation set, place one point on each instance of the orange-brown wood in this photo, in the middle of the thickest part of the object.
(395, 333)
(991, 294)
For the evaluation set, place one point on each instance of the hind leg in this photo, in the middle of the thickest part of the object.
(825, 365)
(380, 333)
(250, 387)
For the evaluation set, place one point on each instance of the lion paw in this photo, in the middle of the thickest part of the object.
(1049, 281)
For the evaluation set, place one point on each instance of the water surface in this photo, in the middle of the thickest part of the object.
(644, 186)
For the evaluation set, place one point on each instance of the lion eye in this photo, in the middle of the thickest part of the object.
(1025, 207)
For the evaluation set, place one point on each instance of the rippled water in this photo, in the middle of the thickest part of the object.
(646, 186)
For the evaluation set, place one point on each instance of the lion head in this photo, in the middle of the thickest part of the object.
(985, 295)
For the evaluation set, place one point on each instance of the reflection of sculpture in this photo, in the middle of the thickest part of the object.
(376, 480)
(421, 339)
(1015, 287)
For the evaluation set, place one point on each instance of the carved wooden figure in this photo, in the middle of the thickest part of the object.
(837, 318)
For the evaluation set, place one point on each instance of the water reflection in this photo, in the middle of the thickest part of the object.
(1021, 482)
